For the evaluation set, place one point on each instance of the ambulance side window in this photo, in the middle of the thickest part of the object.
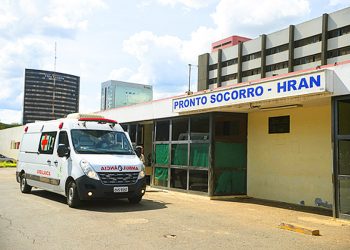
(47, 142)
(63, 138)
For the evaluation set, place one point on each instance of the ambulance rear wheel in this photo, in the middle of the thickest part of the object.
(72, 195)
(25, 188)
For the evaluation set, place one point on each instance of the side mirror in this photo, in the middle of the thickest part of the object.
(63, 150)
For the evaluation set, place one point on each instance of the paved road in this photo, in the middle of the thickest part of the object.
(163, 220)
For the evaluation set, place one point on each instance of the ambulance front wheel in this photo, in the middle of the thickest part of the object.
(72, 195)
(135, 199)
(25, 188)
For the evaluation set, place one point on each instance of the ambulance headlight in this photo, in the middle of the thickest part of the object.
(142, 172)
(88, 170)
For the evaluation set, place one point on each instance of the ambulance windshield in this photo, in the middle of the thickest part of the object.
(100, 142)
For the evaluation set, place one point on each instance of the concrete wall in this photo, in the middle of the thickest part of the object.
(295, 166)
(7, 137)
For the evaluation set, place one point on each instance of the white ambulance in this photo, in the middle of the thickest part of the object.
(82, 157)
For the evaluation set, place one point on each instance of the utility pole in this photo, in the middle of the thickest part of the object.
(189, 77)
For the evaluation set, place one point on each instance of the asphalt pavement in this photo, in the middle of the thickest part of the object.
(163, 220)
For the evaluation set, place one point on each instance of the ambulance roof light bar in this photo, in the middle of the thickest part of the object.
(96, 119)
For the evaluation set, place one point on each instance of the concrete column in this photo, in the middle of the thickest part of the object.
(291, 49)
(219, 67)
(263, 56)
(324, 39)
(239, 64)
(203, 72)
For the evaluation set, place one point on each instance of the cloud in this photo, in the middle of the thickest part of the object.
(72, 14)
(339, 2)
(249, 17)
(10, 116)
(191, 4)
(7, 14)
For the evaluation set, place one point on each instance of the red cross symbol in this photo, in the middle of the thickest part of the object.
(44, 142)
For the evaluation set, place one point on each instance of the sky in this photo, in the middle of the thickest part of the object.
(144, 41)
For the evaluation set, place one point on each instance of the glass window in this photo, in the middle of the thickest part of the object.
(161, 177)
(162, 131)
(344, 117)
(132, 133)
(344, 194)
(198, 180)
(279, 124)
(47, 142)
(180, 129)
(200, 128)
(100, 142)
(63, 138)
(179, 154)
(344, 157)
(140, 134)
(178, 178)
(162, 154)
(199, 153)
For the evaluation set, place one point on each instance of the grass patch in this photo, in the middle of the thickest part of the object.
(7, 165)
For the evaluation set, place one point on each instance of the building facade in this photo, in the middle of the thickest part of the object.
(49, 95)
(317, 42)
(117, 94)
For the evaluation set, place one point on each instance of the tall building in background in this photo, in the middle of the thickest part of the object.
(117, 93)
(49, 95)
(317, 42)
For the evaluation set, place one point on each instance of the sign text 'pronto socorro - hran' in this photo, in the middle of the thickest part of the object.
(287, 87)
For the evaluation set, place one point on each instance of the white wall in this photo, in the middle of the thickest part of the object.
(6, 138)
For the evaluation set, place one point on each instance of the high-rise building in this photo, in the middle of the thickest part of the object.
(117, 93)
(49, 95)
(320, 41)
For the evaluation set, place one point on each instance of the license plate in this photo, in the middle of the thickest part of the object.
(120, 189)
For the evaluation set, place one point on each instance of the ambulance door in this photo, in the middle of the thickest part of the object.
(64, 164)
(45, 173)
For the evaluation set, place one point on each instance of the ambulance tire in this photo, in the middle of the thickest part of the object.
(25, 188)
(73, 200)
(135, 199)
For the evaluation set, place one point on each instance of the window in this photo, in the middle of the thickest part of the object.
(162, 131)
(277, 66)
(277, 49)
(213, 66)
(339, 32)
(308, 40)
(229, 62)
(63, 138)
(47, 142)
(251, 72)
(180, 129)
(338, 52)
(279, 124)
(229, 77)
(213, 81)
(251, 56)
(307, 59)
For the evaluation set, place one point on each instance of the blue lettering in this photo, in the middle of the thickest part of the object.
(316, 81)
(259, 91)
(212, 98)
(197, 99)
(250, 92)
(204, 100)
(192, 102)
(219, 97)
(181, 104)
(186, 103)
(291, 85)
(227, 96)
(282, 87)
(234, 95)
(303, 84)
(176, 103)
(242, 93)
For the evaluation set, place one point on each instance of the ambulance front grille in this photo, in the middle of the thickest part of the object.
(118, 178)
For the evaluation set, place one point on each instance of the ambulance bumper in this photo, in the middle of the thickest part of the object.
(89, 189)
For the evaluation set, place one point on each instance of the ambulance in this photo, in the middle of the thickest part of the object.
(82, 157)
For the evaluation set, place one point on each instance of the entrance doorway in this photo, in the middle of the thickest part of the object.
(342, 156)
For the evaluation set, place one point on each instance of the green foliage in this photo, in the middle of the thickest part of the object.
(4, 125)
(7, 165)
